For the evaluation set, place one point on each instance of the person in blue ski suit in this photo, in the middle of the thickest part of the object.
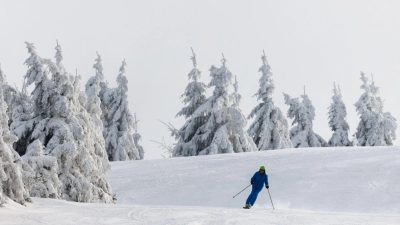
(258, 180)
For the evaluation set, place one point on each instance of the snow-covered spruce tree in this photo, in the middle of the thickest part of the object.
(303, 113)
(93, 108)
(13, 175)
(354, 140)
(223, 130)
(23, 122)
(60, 134)
(270, 129)
(188, 143)
(9, 95)
(106, 96)
(104, 90)
(235, 101)
(66, 132)
(59, 58)
(236, 98)
(388, 124)
(136, 138)
(39, 75)
(91, 157)
(92, 146)
(337, 120)
(194, 92)
(118, 134)
(45, 179)
(376, 128)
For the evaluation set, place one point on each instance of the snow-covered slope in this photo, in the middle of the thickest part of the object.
(322, 179)
(308, 186)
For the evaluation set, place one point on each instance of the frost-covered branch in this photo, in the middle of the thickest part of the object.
(168, 149)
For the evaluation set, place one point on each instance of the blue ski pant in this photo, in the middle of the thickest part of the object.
(253, 195)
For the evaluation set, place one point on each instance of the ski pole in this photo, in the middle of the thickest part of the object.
(242, 190)
(271, 199)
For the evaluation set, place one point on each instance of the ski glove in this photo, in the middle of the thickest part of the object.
(252, 182)
(267, 187)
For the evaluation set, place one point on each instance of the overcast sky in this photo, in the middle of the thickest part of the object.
(312, 43)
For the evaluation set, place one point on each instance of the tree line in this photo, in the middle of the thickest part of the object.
(215, 124)
(58, 141)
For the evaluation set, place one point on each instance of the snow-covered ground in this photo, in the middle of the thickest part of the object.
(308, 186)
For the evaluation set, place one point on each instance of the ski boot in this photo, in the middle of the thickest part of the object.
(248, 206)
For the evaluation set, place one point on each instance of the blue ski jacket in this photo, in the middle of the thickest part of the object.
(259, 179)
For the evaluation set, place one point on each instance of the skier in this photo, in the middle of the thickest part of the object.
(257, 181)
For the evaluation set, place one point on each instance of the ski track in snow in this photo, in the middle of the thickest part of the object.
(308, 186)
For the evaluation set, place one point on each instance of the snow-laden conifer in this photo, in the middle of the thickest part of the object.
(337, 120)
(45, 179)
(137, 137)
(236, 98)
(235, 104)
(193, 96)
(104, 90)
(92, 157)
(189, 143)
(92, 88)
(303, 114)
(66, 130)
(59, 58)
(223, 130)
(118, 134)
(376, 128)
(354, 140)
(27, 117)
(13, 176)
(9, 95)
(269, 129)
(388, 126)
(23, 121)
(91, 160)
(93, 108)
(37, 74)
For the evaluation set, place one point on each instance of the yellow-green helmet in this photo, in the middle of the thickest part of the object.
(262, 168)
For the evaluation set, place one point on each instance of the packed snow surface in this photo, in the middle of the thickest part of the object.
(308, 186)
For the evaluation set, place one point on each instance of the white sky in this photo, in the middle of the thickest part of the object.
(312, 43)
